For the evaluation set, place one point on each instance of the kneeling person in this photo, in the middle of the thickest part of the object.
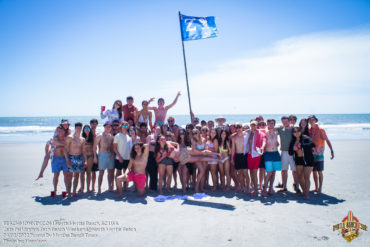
(136, 166)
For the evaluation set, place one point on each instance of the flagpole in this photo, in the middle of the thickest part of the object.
(186, 71)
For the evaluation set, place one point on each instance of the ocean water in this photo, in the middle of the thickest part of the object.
(41, 129)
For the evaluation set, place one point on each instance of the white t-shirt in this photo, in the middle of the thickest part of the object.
(123, 145)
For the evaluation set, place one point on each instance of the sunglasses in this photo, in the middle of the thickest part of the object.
(204, 130)
(182, 134)
(115, 125)
(170, 121)
(87, 129)
(238, 127)
(131, 131)
(125, 126)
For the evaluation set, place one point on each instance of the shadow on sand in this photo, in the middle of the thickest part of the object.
(130, 197)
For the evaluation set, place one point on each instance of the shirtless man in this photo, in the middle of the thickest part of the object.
(58, 162)
(160, 112)
(240, 162)
(319, 137)
(74, 157)
(271, 156)
(105, 144)
(137, 165)
(143, 131)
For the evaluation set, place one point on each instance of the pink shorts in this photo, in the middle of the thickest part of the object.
(139, 179)
(253, 163)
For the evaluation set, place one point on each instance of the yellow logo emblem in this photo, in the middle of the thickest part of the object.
(350, 227)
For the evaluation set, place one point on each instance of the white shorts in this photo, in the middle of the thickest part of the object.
(286, 161)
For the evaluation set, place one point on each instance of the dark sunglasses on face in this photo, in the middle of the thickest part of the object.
(115, 125)
(205, 130)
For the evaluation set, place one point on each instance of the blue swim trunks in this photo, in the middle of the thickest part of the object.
(272, 161)
(76, 163)
(105, 162)
(58, 164)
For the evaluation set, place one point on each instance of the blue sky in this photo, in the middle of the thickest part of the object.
(68, 57)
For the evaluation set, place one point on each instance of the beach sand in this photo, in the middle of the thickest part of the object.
(222, 219)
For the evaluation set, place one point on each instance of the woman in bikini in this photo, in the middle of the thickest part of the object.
(144, 116)
(165, 160)
(224, 163)
(212, 145)
(136, 169)
(198, 145)
(301, 148)
(89, 157)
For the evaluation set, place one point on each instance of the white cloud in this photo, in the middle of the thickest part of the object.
(322, 73)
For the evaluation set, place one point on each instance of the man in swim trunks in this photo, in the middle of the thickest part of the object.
(271, 157)
(319, 137)
(287, 160)
(136, 169)
(240, 161)
(160, 112)
(74, 158)
(254, 144)
(58, 162)
(105, 144)
(129, 109)
(121, 147)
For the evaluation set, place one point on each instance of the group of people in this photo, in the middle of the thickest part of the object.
(204, 155)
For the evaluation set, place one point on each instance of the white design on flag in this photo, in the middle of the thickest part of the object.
(198, 27)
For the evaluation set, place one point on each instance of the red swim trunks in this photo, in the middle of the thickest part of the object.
(139, 179)
(253, 163)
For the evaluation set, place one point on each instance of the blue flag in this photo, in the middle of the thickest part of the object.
(194, 28)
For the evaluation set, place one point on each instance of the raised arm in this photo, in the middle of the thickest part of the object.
(104, 114)
(174, 102)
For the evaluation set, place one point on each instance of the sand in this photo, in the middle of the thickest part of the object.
(222, 219)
